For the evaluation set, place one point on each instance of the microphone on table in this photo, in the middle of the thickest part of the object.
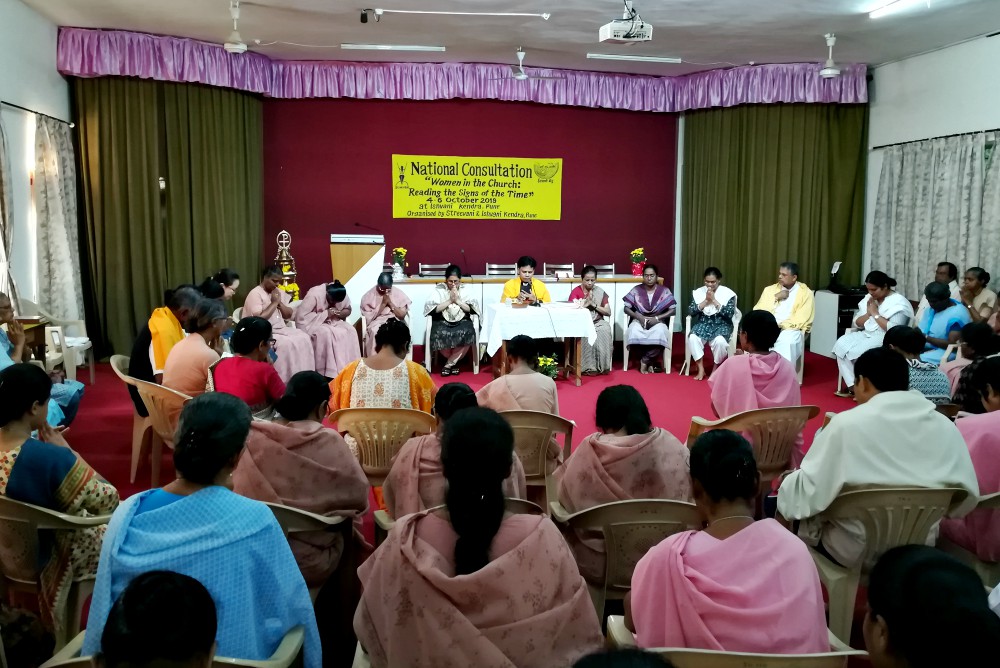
(368, 227)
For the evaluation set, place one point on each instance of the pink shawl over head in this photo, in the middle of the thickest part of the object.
(527, 608)
(979, 531)
(416, 481)
(520, 391)
(752, 381)
(749, 382)
(756, 591)
(605, 468)
(306, 466)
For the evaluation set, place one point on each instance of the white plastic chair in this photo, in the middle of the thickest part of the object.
(533, 432)
(142, 427)
(989, 572)
(620, 637)
(54, 355)
(429, 356)
(78, 348)
(890, 517)
(295, 520)
(19, 555)
(630, 528)
(668, 351)
(284, 656)
(733, 340)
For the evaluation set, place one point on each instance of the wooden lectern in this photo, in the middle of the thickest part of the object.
(356, 259)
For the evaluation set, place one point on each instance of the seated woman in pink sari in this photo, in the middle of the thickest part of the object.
(736, 586)
(628, 459)
(379, 305)
(472, 585)
(293, 347)
(323, 315)
(416, 481)
(979, 531)
(758, 378)
(649, 307)
(522, 388)
(297, 462)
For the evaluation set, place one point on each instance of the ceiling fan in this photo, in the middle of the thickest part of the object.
(518, 73)
(235, 43)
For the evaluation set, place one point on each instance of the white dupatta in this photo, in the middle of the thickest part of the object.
(722, 295)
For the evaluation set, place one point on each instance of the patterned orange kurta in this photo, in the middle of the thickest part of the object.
(420, 388)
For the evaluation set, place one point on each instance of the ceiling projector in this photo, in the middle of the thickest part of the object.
(626, 31)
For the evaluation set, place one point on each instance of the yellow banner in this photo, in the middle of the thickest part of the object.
(436, 186)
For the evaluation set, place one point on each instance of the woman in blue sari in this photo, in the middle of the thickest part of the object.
(650, 307)
(198, 527)
(65, 395)
(941, 323)
(45, 472)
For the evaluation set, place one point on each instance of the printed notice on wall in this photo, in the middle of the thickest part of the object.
(436, 186)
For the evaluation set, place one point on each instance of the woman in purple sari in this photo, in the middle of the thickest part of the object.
(650, 307)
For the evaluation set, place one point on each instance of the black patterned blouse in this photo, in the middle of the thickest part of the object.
(707, 327)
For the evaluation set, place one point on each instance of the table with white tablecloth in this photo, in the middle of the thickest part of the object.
(502, 322)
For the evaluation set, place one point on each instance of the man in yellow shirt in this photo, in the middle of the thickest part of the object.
(791, 303)
(525, 286)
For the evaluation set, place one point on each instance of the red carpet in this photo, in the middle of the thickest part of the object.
(102, 432)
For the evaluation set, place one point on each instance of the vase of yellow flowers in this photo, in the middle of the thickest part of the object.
(399, 262)
(638, 261)
(548, 366)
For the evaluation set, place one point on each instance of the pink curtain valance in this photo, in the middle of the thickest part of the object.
(95, 53)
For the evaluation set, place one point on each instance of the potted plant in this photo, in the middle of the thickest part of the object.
(399, 262)
(638, 260)
(548, 366)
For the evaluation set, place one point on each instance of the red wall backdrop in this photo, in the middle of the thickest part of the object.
(328, 169)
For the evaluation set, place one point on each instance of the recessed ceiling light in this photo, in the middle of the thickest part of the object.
(391, 47)
(641, 59)
(896, 6)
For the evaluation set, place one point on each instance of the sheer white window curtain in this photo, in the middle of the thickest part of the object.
(59, 284)
(6, 224)
(937, 200)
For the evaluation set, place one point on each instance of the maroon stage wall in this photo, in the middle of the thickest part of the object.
(328, 169)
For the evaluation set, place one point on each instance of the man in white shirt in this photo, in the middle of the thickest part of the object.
(792, 305)
(946, 273)
(894, 437)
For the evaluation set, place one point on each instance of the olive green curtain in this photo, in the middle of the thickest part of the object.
(171, 192)
(764, 184)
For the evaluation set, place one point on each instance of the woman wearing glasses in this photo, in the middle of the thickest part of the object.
(451, 308)
(249, 374)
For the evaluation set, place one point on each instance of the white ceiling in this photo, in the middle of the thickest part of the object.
(707, 33)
